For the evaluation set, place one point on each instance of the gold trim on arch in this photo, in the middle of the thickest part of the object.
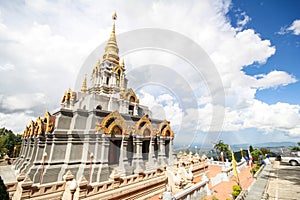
(140, 130)
(128, 94)
(163, 128)
(117, 120)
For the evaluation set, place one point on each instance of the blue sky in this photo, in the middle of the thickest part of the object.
(253, 47)
(268, 18)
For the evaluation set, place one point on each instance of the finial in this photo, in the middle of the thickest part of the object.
(111, 49)
(122, 63)
(84, 87)
(114, 16)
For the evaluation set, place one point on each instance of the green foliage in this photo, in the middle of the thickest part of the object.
(8, 141)
(214, 198)
(265, 151)
(254, 170)
(295, 148)
(251, 148)
(256, 153)
(236, 190)
(221, 146)
(3, 192)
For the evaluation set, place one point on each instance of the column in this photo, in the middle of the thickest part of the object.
(171, 153)
(137, 162)
(123, 160)
(38, 157)
(103, 172)
(152, 163)
(135, 110)
(161, 152)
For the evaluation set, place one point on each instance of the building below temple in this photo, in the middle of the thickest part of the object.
(97, 130)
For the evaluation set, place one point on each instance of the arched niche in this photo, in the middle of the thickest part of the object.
(111, 123)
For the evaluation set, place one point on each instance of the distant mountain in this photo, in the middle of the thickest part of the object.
(236, 147)
(265, 145)
(275, 144)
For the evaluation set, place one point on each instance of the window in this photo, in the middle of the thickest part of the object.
(99, 107)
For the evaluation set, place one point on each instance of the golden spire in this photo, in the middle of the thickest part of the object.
(122, 64)
(83, 87)
(111, 49)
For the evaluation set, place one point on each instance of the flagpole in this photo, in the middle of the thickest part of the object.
(235, 173)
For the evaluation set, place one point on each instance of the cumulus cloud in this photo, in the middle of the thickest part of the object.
(295, 27)
(243, 19)
(23, 101)
(16, 121)
(45, 43)
(273, 79)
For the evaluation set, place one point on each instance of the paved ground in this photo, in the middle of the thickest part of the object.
(223, 190)
(7, 174)
(258, 188)
(284, 182)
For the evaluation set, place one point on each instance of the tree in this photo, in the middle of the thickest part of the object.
(265, 151)
(221, 146)
(295, 148)
(251, 148)
(8, 142)
(256, 153)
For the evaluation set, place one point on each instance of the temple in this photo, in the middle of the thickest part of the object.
(103, 126)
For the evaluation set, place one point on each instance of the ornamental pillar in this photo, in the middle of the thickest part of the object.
(161, 151)
(123, 160)
(137, 157)
(151, 158)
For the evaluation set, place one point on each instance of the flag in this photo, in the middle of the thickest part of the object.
(250, 159)
(235, 173)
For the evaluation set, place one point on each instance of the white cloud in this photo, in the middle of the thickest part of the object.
(295, 27)
(163, 106)
(23, 101)
(243, 20)
(44, 45)
(7, 67)
(15, 121)
(273, 79)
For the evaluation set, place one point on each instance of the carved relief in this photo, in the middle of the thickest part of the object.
(164, 129)
(113, 123)
(39, 127)
(143, 127)
(49, 122)
(130, 96)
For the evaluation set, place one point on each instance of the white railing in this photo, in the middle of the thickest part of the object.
(197, 191)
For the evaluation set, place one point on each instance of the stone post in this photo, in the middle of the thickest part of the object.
(33, 153)
(171, 153)
(103, 172)
(23, 189)
(135, 110)
(26, 155)
(137, 157)
(151, 158)
(123, 160)
(38, 156)
(21, 154)
(161, 152)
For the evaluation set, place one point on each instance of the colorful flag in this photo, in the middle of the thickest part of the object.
(250, 159)
(235, 173)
